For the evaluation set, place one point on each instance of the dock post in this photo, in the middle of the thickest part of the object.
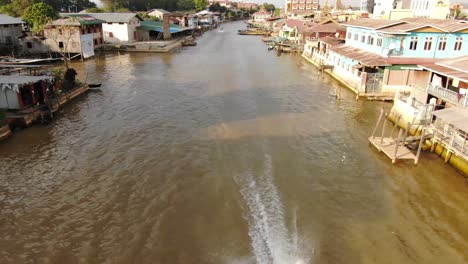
(378, 122)
(383, 129)
(396, 146)
(421, 142)
(396, 125)
(408, 125)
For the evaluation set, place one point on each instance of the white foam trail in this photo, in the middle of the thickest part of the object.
(271, 242)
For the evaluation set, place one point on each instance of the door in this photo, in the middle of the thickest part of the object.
(135, 35)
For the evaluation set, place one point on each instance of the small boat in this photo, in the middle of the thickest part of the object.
(94, 85)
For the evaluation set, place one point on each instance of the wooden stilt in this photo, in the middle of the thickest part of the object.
(396, 146)
(421, 142)
(378, 122)
(383, 129)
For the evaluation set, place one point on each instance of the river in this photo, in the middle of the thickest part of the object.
(221, 153)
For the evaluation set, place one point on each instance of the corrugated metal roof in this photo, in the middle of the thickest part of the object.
(158, 26)
(456, 68)
(76, 20)
(412, 24)
(456, 116)
(8, 20)
(115, 17)
(327, 28)
(364, 57)
(331, 41)
(373, 23)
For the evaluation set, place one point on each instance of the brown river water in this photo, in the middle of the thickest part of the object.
(221, 153)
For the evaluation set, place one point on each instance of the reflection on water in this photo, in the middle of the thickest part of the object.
(221, 153)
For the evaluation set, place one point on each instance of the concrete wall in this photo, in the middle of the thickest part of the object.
(10, 33)
(121, 32)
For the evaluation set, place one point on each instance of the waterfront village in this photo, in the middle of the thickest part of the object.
(412, 53)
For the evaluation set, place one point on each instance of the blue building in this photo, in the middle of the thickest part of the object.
(380, 57)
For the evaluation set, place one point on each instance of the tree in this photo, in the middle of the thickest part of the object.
(269, 7)
(17, 7)
(277, 12)
(38, 15)
(200, 4)
(185, 4)
(94, 10)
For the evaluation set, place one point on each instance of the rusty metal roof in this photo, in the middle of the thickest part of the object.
(364, 57)
(373, 23)
(331, 41)
(454, 68)
(456, 116)
(412, 24)
(327, 28)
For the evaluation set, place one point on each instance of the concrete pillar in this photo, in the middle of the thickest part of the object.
(166, 25)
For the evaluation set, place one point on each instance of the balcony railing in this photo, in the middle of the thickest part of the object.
(448, 95)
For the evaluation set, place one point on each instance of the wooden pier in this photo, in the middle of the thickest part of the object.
(396, 148)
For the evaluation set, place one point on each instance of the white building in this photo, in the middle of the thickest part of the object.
(10, 30)
(159, 13)
(431, 8)
(119, 27)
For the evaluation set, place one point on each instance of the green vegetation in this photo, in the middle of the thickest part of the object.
(277, 12)
(269, 7)
(95, 10)
(216, 7)
(186, 5)
(200, 4)
(16, 8)
(38, 15)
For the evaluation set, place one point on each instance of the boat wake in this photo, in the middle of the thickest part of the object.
(271, 241)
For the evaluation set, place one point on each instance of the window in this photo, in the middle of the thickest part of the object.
(110, 23)
(5, 26)
(428, 43)
(349, 35)
(61, 44)
(17, 25)
(442, 43)
(111, 35)
(458, 43)
(370, 40)
(29, 45)
(60, 31)
(356, 36)
(413, 43)
(95, 42)
(379, 42)
(121, 23)
(363, 38)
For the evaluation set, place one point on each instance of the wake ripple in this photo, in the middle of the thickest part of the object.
(271, 241)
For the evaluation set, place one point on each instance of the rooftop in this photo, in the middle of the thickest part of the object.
(76, 20)
(331, 41)
(454, 68)
(115, 17)
(371, 23)
(158, 26)
(8, 20)
(364, 57)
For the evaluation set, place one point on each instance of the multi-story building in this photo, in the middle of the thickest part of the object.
(431, 8)
(10, 30)
(382, 8)
(378, 53)
(301, 6)
(367, 6)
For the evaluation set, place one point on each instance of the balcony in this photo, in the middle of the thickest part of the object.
(448, 95)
